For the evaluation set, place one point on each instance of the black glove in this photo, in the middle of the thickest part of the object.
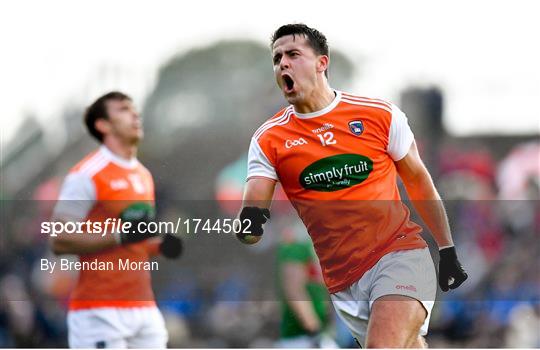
(256, 217)
(136, 214)
(451, 273)
(171, 247)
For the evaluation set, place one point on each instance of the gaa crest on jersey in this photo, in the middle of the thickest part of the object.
(356, 127)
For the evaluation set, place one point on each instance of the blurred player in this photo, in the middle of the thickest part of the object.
(112, 308)
(337, 156)
(305, 316)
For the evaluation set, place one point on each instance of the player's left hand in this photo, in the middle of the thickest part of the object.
(171, 247)
(451, 273)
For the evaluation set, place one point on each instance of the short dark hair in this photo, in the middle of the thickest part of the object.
(98, 110)
(316, 39)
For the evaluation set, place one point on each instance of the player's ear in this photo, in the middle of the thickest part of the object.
(103, 126)
(322, 63)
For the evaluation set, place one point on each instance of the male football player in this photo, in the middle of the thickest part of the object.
(337, 156)
(112, 307)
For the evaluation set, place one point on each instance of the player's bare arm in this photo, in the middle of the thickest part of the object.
(428, 203)
(258, 192)
(424, 196)
(89, 243)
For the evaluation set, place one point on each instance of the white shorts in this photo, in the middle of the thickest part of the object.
(403, 272)
(137, 327)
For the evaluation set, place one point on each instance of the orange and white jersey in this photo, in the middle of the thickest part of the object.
(337, 168)
(101, 186)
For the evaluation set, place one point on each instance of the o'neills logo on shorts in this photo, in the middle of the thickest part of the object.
(410, 287)
(336, 172)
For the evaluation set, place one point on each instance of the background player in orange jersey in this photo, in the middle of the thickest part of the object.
(337, 157)
(112, 307)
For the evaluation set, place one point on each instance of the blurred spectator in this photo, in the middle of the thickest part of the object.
(523, 326)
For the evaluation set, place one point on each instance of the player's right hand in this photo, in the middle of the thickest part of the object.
(135, 214)
(451, 273)
(252, 220)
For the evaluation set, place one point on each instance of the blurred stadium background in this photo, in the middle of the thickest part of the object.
(201, 104)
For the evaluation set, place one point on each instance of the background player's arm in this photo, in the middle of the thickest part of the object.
(424, 195)
(93, 243)
(294, 286)
(82, 243)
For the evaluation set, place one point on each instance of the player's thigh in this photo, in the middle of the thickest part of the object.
(152, 333)
(95, 328)
(395, 321)
(419, 343)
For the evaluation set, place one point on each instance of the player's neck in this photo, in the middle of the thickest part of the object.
(317, 100)
(122, 150)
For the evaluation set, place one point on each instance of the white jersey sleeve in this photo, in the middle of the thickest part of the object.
(76, 199)
(400, 137)
(258, 163)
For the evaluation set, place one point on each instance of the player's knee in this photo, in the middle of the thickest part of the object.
(422, 342)
(419, 343)
(404, 335)
(388, 339)
(385, 341)
(375, 344)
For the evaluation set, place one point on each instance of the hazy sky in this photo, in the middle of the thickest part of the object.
(484, 54)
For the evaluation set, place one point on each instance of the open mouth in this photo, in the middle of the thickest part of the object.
(288, 83)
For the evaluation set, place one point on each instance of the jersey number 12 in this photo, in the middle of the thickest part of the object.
(327, 138)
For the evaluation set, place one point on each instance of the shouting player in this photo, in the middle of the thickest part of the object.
(112, 307)
(337, 156)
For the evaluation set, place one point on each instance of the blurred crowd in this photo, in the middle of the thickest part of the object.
(494, 210)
